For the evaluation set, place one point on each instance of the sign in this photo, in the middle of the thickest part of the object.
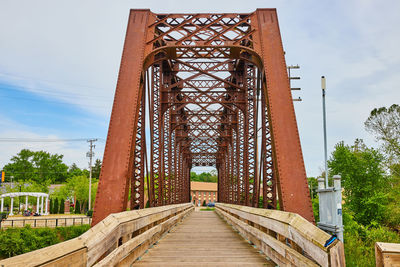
(3, 176)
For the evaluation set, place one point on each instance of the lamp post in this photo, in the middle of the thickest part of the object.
(323, 87)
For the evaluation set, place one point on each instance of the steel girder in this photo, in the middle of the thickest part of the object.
(202, 90)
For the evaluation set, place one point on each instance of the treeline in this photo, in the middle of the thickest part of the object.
(371, 182)
(210, 177)
(34, 171)
(44, 168)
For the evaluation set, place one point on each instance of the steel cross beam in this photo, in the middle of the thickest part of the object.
(202, 90)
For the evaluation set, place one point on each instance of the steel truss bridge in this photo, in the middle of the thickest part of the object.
(203, 90)
(208, 90)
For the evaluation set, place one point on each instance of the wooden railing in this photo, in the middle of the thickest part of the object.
(387, 254)
(117, 240)
(286, 238)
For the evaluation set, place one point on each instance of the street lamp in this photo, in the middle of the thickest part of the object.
(323, 87)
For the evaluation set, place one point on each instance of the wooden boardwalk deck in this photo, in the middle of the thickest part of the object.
(203, 239)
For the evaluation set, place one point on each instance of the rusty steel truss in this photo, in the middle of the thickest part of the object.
(202, 90)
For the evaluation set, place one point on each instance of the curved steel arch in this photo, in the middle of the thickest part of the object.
(164, 62)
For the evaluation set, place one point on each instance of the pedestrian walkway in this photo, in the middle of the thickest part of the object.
(203, 239)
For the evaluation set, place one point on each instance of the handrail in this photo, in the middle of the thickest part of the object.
(387, 254)
(285, 237)
(109, 236)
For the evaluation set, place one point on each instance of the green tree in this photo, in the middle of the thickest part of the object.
(74, 170)
(384, 123)
(363, 179)
(55, 206)
(61, 192)
(210, 177)
(313, 186)
(96, 169)
(79, 188)
(38, 166)
(62, 206)
(77, 207)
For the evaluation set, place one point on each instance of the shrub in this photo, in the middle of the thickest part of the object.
(55, 206)
(204, 203)
(77, 207)
(15, 241)
(62, 206)
(3, 215)
(89, 213)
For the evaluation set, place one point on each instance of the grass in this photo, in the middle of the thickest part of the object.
(207, 209)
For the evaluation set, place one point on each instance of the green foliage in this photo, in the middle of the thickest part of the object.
(77, 207)
(384, 123)
(96, 169)
(15, 241)
(260, 202)
(89, 213)
(3, 215)
(56, 206)
(359, 241)
(38, 166)
(204, 203)
(315, 206)
(62, 206)
(313, 186)
(363, 179)
(61, 192)
(74, 170)
(209, 177)
(207, 209)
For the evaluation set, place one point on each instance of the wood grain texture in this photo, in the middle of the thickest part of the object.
(300, 232)
(203, 239)
(387, 254)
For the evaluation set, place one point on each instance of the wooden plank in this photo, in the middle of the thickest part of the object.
(336, 255)
(75, 259)
(387, 254)
(378, 255)
(98, 240)
(280, 252)
(202, 239)
(391, 259)
(124, 250)
(291, 226)
(44, 255)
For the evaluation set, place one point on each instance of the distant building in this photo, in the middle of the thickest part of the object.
(201, 191)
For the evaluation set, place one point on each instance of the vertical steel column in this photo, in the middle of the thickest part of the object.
(113, 188)
(292, 178)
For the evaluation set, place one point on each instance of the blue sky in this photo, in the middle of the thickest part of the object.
(59, 62)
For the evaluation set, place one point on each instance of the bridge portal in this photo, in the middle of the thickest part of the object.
(203, 90)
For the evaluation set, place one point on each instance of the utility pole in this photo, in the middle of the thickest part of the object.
(90, 155)
(323, 87)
